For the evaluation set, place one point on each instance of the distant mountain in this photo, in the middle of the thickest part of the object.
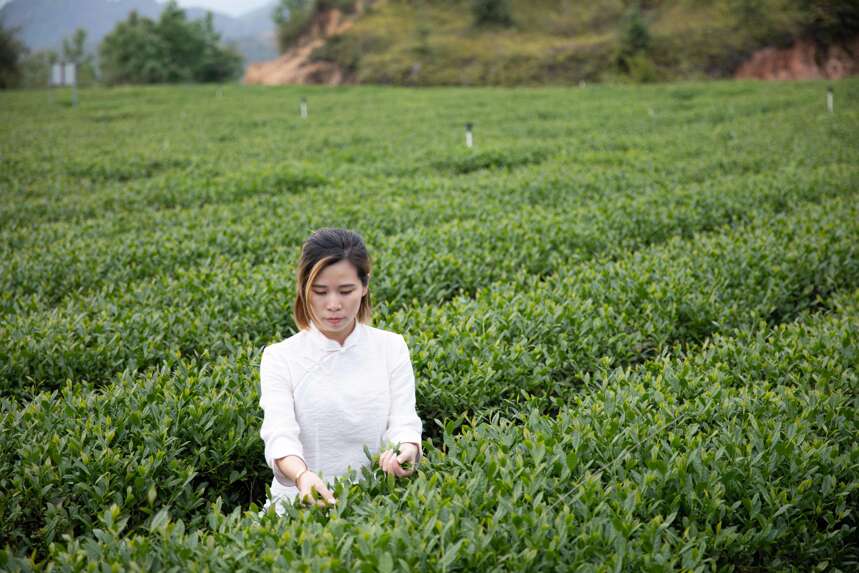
(45, 23)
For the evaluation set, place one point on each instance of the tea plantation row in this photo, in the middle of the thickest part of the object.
(54, 261)
(222, 305)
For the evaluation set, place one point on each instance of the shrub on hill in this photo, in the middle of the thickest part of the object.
(492, 12)
(11, 52)
(171, 50)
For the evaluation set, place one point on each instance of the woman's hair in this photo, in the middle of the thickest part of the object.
(323, 248)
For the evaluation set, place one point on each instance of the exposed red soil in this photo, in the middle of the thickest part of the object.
(295, 66)
(802, 61)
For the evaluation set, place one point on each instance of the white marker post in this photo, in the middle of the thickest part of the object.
(303, 108)
(830, 100)
(469, 139)
(57, 75)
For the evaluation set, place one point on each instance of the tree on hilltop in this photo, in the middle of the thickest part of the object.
(11, 52)
(492, 12)
(74, 51)
(171, 50)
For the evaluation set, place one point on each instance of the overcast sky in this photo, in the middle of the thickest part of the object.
(231, 7)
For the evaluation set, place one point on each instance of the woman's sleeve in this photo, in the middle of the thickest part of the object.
(404, 425)
(279, 429)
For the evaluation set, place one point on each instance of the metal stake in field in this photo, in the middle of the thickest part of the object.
(830, 100)
(469, 138)
(303, 107)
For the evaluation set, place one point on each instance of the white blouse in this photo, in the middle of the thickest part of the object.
(324, 402)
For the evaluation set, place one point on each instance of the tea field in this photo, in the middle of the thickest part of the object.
(633, 314)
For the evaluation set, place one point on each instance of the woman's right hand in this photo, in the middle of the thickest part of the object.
(308, 482)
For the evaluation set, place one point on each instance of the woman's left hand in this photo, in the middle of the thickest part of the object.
(390, 462)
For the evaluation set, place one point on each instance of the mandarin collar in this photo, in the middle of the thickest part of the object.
(322, 342)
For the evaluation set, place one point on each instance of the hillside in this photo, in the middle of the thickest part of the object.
(568, 41)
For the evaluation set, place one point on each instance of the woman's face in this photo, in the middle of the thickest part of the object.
(335, 297)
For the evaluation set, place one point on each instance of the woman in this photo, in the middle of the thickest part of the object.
(337, 385)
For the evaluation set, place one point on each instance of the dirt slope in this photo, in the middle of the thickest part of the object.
(294, 66)
(802, 61)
